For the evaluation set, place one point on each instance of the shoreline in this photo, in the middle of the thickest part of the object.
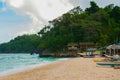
(29, 67)
(21, 69)
(72, 69)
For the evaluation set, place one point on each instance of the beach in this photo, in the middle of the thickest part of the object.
(72, 69)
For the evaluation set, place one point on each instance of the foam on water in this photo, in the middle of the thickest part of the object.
(13, 63)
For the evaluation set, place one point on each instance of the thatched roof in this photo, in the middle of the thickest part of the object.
(72, 44)
(87, 43)
(113, 46)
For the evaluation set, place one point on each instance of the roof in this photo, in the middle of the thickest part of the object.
(87, 43)
(113, 46)
(72, 44)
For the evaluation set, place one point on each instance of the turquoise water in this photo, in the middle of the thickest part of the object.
(14, 62)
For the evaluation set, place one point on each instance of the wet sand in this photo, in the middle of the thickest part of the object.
(73, 69)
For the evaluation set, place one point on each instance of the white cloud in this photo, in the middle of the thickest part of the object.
(40, 12)
(16, 3)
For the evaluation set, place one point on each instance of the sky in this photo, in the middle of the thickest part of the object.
(18, 17)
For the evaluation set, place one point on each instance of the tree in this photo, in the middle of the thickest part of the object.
(115, 13)
(98, 25)
(21, 44)
(93, 8)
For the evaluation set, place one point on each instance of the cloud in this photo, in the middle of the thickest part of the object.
(39, 11)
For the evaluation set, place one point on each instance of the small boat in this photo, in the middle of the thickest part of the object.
(112, 64)
(99, 60)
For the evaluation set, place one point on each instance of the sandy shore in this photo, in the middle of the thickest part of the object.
(73, 69)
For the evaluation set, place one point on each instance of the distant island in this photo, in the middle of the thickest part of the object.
(100, 26)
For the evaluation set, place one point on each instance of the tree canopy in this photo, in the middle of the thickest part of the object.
(94, 24)
(21, 44)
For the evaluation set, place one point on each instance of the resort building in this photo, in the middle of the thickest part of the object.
(72, 49)
(113, 49)
(86, 46)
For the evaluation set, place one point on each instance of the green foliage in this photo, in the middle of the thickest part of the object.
(98, 25)
(21, 44)
(95, 24)
(94, 8)
(115, 13)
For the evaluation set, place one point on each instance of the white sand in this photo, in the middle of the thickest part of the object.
(73, 69)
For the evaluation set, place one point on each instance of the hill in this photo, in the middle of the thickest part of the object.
(94, 24)
(21, 44)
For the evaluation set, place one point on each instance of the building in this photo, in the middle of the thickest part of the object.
(113, 49)
(72, 47)
(85, 46)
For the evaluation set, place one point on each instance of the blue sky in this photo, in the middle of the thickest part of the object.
(10, 22)
(23, 16)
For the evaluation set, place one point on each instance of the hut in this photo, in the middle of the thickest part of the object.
(72, 49)
(85, 46)
(113, 49)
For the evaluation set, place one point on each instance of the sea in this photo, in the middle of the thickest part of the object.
(13, 63)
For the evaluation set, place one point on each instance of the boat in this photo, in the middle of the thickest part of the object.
(111, 64)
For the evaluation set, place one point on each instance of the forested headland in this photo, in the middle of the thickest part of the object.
(94, 24)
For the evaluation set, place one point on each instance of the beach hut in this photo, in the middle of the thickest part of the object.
(86, 45)
(113, 49)
(72, 49)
